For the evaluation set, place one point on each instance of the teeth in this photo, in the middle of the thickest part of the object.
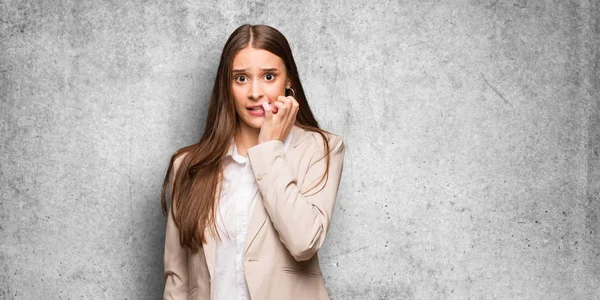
(257, 108)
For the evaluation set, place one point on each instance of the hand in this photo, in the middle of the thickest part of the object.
(280, 117)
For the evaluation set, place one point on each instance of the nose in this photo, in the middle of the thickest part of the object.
(256, 90)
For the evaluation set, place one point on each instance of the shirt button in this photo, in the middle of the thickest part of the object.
(259, 176)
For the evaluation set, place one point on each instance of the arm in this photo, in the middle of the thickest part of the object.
(301, 219)
(175, 259)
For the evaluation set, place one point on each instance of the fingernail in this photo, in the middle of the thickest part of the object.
(266, 106)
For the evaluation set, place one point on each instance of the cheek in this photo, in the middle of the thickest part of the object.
(274, 91)
(238, 97)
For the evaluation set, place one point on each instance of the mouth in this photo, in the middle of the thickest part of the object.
(256, 110)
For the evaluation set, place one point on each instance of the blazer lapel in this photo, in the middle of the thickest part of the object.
(257, 220)
(209, 252)
(210, 247)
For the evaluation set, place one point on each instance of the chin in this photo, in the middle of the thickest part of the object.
(255, 123)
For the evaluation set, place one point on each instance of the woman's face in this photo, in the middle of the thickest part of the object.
(258, 76)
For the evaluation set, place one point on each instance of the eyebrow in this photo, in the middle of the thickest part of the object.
(267, 70)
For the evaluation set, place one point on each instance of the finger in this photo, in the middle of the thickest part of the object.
(279, 105)
(290, 102)
(281, 108)
(287, 101)
(281, 98)
(268, 110)
(295, 104)
(293, 110)
(273, 108)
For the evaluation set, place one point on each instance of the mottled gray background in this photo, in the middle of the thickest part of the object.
(472, 130)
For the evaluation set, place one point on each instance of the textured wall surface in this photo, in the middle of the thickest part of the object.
(472, 130)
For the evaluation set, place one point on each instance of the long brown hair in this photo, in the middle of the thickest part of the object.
(195, 182)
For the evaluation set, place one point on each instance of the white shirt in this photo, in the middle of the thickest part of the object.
(235, 207)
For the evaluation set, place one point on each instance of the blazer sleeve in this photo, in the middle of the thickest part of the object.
(175, 256)
(301, 219)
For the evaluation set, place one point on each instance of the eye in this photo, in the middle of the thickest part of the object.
(269, 76)
(240, 78)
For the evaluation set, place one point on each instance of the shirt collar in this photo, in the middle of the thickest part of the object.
(232, 151)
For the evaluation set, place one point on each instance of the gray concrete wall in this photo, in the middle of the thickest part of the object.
(472, 132)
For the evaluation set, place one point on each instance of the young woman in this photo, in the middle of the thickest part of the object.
(251, 202)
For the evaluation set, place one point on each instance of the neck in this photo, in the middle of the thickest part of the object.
(246, 137)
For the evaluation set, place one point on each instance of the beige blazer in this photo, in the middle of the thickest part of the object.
(285, 231)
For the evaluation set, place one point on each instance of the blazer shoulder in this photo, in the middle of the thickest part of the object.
(317, 143)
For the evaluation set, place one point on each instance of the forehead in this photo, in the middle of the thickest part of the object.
(249, 58)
